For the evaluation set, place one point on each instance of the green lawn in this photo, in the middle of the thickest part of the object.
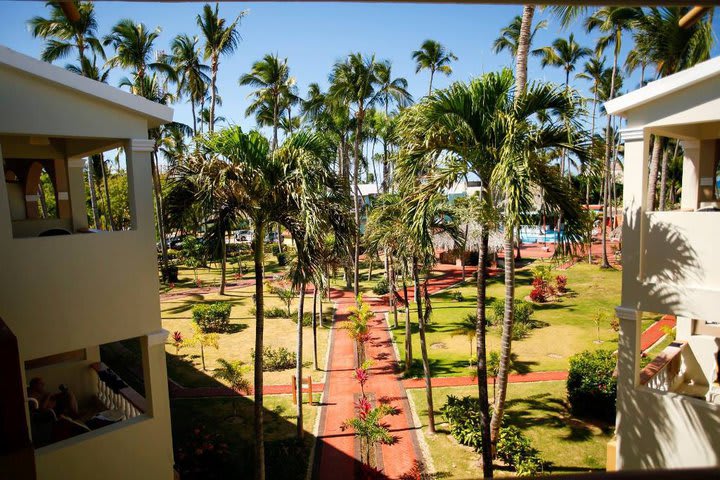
(186, 367)
(285, 457)
(540, 411)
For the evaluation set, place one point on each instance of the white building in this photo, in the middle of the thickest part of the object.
(64, 296)
(669, 413)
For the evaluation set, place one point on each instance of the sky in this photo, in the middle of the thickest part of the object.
(313, 36)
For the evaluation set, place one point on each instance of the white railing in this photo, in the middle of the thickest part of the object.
(664, 372)
(115, 394)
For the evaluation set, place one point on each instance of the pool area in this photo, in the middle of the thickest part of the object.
(537, 235)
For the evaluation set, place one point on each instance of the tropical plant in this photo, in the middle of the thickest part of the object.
(285, 294)
(591, 385)
(467, 328)
(435, 57)
(233, 373)
(191, 72)
(221, 39)
(276, 359)
(274, 94)
(564, 54)
(204, 340)
(509, 38)
(212, 317)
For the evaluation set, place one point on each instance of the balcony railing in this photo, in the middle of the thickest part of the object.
(664, 372)
(115, 394)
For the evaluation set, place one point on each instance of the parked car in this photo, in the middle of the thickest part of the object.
(244, 236)
(176, 242)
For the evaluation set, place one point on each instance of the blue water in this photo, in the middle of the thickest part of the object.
(535, 235)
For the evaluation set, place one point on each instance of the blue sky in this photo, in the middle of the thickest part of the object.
(313, 36)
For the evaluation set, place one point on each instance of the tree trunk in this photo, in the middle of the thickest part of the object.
(299, 363)
(107, 193)
(518, 255)
(506, 339)
(356, 205)
(408, 326)
(211, 120)
(523, 48)
(652, 181)
(223, 263)
(275, 124)
(159, 208)
(93, 196)
(43, 200)
(259, 332)
(393, 296)
(279, 240)
(194, 116)
(432, 74)
(423, 348)
(314, 327)
(663, 176)
(482, 376)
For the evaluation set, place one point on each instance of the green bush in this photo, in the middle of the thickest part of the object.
(591, 387)
(275, 359)
(457, 295)
(307, 318)
(514, 448)
(381, 287)
(212, 317)
(523, 312)
(272, 312)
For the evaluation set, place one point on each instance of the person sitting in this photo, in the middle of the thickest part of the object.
(66, 427)
(36, 391)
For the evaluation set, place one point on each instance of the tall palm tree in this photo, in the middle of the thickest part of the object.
(391, 90)
(238, 174)
(435, 57)
(510, 36)
(355, 82)
(271, 77)
(478, 128)
(671, 48)
(62, 36)
(134, 48)
(612, 22)
(564, 54)
(221, 39)
(191, 72)
(232, 372)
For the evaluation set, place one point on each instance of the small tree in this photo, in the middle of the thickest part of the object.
(598, 320)
(204, 340)
(467, 328)
(192, 254)
(233, 373)
(358, 328)
(285, 294)
(177, 341)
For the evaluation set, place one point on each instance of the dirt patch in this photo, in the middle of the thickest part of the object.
(555, 355)
(438, 346)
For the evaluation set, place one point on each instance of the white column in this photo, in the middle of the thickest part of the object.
(76, 188)
(628, 374)
(690, 175)
(635, 185)
(140, 185)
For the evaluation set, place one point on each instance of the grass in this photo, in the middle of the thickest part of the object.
(568, 322)
(185, 367)
(285, 456)
(540, 411)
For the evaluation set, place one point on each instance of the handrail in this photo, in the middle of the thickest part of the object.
(663, 372)
(115, 394)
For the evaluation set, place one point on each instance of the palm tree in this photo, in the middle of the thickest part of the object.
(434, 57)
(355, 82)
(221, 39)
(510, 35)
(670, 48)
(236, 172)
(191, 73)
(474, 127)
(271, 77)
(564, 54)
(391, 90)
(233, 373)
(611, 22)
(62, 36)
(134, 47)
(467, 328)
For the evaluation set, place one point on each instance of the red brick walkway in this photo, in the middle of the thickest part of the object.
(465, 381)
(656, 331)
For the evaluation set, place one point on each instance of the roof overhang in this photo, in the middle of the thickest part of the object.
(663, 87)
(155, 113)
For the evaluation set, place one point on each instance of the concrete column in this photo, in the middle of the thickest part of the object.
(684, 328)
(708, 152)
(634, 197)
(628, 371)
(140, 186)
(76, 190)
(6, 233)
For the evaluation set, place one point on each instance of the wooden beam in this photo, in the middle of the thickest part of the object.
(70, 10)
(693, 16)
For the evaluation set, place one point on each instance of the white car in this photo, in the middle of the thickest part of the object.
(244, 236)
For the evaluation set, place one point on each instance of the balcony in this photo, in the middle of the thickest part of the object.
(688, 368)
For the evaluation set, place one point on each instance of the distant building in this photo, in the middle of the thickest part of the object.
(67, 293)
(669, 412)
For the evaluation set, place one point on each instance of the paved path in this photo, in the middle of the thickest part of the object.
(467, 381)
(655, 332)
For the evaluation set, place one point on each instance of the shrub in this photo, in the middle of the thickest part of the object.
(307, 318)
(282, 259)
(561, 283)
(457, 295)
(381, 287)
(523, 312)
(275, 312)
(592, 389)
(212, 317)
(538, 295)
(514, 448)
(275, 359)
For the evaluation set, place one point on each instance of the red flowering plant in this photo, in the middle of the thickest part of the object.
(201, 455)
(358, 328)
(561, 283)
(368, 426)
(177, 341)
(542, 288)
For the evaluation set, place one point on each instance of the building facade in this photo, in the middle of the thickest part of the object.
(68, 293)
(669, 411)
